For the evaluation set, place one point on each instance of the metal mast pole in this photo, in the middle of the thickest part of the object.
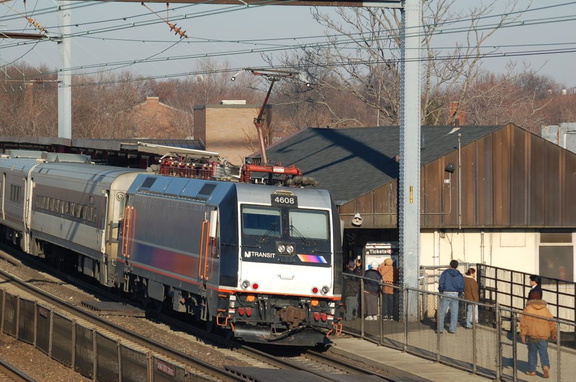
(64, 74)
(409, 182)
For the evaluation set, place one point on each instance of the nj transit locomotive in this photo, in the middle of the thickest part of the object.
(262, 262)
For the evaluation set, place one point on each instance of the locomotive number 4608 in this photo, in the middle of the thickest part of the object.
(284, 200)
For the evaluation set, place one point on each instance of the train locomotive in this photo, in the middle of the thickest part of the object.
(261, 262)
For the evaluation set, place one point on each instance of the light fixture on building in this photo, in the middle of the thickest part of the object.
(357, 220)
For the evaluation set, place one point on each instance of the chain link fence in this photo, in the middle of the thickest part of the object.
(491, 348)
(95, 355)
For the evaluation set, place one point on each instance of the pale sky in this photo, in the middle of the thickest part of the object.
(117, 37)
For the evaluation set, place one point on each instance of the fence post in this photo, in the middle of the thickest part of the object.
(51, 336)
(438, 328)
(381, 312)
(73, 339)
(474, 335)
(3, 310)
(405, 297)
(119, 350)
(499, 366)
(514, 347)
(95, 354)
(150, 366)
(558, 351)
(35, 324)
(361, 308)
(17, 317)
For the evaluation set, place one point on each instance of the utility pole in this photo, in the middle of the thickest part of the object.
(410, 130)
(64, 73)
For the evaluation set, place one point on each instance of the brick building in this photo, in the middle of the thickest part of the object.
(153, 119)
(228, 128)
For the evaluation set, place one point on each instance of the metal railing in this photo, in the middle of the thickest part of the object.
(510, 289)
(491, 348)
(93, 354)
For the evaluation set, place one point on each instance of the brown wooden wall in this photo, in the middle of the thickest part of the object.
(510, 178)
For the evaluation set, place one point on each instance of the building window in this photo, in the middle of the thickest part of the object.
(556, 256)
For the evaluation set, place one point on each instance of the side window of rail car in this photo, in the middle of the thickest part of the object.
(16, 194)
(261, 221)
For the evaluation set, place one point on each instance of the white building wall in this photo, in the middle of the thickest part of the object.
(511, 250)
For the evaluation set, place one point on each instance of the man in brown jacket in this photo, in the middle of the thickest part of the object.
(471, 293)
(389, 275)
(535, 332)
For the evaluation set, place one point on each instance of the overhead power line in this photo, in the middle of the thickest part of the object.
(273, 45)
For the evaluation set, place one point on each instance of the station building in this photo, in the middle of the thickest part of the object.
(496, 195)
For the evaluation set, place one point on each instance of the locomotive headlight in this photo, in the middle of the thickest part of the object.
(245, 284)
(325, 290)
(290, 249)
(281, 248)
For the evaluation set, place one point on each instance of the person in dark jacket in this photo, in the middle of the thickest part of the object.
(351, 290)
(371, 292)
(451, 285)
(535, 288)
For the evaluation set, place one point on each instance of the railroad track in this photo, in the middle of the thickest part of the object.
(204, 370)
(11, 373)
(321, 365)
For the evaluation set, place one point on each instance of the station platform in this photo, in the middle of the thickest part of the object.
(400, 364)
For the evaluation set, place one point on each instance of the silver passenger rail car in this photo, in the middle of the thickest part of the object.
(77, 206)
(15, 196)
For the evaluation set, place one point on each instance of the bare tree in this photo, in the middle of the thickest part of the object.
(317, 96)
(364, 54)
(27, 101)
(523, 98)
(102, 104)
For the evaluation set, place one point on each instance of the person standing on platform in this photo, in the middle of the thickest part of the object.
(471, 293)
(535, 288)
(351, 291)
(390, 277)
(535, 332)
(371, 292)
(451, 285)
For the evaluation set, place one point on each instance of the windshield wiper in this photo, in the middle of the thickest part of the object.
(265, 236)
(293, 230)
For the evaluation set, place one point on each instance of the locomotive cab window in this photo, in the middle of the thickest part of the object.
(261, 221)
(309, 224)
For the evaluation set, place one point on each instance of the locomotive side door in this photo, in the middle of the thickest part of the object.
(207, 250)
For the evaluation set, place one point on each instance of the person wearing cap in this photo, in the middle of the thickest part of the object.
(371, 291)
(450, 286)
(535, 288)
(351, 291)
(389, 275)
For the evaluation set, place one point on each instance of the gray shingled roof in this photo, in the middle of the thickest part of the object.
(350, 162)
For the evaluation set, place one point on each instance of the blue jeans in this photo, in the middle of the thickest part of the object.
(388, 302)
(535, 348)
(471, 315)
(448, 303)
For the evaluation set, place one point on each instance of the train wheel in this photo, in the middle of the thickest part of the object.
(228, 334)
(153, 307)
(210, 324)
